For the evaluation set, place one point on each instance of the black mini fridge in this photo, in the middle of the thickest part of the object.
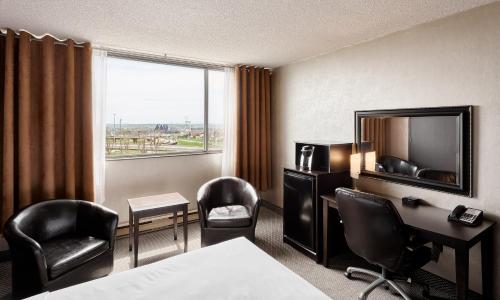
(298, 226)
(302, 207)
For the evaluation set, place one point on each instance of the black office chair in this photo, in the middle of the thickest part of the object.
(228, 207)
(391, 164)
(374, 230)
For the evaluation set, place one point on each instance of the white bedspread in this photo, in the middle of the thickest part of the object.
(235, 269)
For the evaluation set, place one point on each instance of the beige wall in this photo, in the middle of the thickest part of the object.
(454, 61)
(130, 178)
(397, 137)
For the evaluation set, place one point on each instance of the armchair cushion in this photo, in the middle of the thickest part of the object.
(229, 216)
(65, 254)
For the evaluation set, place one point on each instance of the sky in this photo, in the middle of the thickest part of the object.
(151, 93)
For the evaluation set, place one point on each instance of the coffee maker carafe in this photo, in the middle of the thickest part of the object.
(306, 157)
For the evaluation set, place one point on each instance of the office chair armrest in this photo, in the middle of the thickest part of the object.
(417, 242)
(436, 251)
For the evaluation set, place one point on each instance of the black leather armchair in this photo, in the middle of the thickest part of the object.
(228, 207)
(391, 164)
(58, 243)
(374, 230)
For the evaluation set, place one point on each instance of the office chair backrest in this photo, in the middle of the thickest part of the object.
(372, 227)
(393, 164)
(439, 175)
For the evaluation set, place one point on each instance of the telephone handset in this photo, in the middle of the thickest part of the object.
(466, 216)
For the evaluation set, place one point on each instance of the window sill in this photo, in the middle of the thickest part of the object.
(163, 155)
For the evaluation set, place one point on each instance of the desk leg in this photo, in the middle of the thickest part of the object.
(325, 233)
(136, 240)
(487, 264)
(462, 272)
(185, 226)
(130, 228)
(175, 225)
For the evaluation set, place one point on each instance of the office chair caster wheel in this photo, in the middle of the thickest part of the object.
(348, 275)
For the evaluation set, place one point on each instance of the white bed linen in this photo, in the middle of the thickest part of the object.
(236, 269)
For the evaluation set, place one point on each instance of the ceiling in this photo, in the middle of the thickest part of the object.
(267, 33)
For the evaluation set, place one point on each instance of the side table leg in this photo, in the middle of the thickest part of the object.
(175, 225)
(136, 240)
(130, 228)
(185, 226)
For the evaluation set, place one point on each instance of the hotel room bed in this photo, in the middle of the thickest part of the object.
(236, 269)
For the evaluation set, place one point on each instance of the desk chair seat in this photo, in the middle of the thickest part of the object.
(374, 230)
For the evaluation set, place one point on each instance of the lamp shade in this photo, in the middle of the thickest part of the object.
(370, 161)
(355, 165)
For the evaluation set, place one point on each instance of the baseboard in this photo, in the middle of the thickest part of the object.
(160, 223)
(166, 222)
(148, 225)
(272, 207)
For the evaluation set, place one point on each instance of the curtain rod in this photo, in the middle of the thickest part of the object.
(158, 57)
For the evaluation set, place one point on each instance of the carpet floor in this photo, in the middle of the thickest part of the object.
(158, 245)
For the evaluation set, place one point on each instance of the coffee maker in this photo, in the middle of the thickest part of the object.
(306, 157)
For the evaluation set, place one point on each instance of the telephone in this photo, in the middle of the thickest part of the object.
(466, 216)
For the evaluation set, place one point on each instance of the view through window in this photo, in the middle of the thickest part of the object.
(156, 108)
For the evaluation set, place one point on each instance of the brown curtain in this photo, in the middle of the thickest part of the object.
(45, 121)
(253, 147)
(374, 132)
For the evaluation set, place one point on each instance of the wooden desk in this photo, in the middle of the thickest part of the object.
(431, 223)
(154, 206)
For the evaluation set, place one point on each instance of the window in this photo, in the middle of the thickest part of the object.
(162, 109)
(215, 110)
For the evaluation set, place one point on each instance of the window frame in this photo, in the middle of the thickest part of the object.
(206, 67)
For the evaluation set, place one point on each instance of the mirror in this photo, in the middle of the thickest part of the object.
(425, 147)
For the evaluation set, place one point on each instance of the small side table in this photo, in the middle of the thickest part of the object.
(152, 206)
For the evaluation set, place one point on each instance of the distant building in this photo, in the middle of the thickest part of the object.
(161, 128)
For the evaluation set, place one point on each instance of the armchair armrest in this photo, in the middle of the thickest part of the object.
(255, 213)
(97, 221)
(202, 213)
(203, 202)
(26, 253)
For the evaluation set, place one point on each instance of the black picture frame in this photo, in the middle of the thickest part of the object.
(464, 113)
